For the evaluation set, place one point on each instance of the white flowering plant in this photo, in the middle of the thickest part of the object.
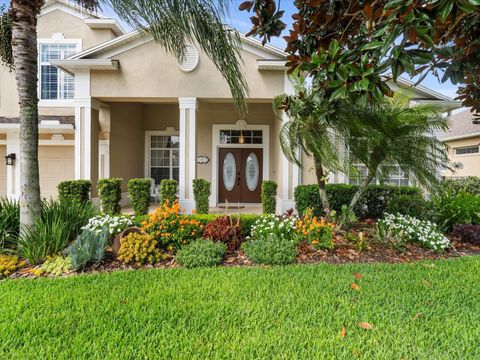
(283, 226)
(114, 224)
(410, 229)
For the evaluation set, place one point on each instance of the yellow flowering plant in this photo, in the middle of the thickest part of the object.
(315, 231)
(9, 264)
(138, 249)
(171, 228)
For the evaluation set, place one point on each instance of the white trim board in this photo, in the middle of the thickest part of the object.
(216, 145)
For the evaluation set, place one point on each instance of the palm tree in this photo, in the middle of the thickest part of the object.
(172, 23)
(312, 129)
(392, 133)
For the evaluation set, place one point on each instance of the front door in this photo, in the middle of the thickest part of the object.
(240, 175)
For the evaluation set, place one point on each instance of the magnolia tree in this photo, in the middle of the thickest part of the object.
(172, 23)
(348, 46)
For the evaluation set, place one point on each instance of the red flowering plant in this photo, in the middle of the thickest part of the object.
(224, 229)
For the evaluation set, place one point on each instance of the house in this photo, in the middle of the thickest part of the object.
(115, 104)
(463, 141)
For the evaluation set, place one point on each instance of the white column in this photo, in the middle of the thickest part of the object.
(188, 151)
(83, 135)
(290, 173)
(13, 171)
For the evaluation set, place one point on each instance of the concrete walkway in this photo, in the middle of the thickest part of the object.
(221, 209)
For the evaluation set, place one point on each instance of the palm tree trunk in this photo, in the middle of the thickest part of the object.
(24, 48)
(361, 191)
(322, 191)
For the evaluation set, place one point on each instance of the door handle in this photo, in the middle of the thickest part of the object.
(238, 179)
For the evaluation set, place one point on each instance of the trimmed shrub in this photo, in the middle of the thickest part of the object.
(468, 233)
(9, 225)
(271, 250)
(408, 204)
(138, 249)
(110, 195)
(373, 203)
(201, 253)
(168, 191)
(59, 224)
(469, 184)
(74, 190)
(455, 209)
(224, 229)
(139, 195)
(269, 196)
(201, 193)
(89, 247)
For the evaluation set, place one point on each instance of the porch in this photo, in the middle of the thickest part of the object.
(185, 139)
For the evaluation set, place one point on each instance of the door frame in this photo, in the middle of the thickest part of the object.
(239, 125)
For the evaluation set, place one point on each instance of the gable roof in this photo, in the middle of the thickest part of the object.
(461, 127)
(136, 38)
(92, 19)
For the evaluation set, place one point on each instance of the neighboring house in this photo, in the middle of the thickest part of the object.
(463, 141)
(117, 105)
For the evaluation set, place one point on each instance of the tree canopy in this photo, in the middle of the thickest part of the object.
(352, 48)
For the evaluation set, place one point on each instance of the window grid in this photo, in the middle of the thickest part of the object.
(466, 150)
(241, 137)
(164, 157)
(55, 84)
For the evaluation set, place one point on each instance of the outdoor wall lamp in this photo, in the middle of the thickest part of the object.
(10, 159)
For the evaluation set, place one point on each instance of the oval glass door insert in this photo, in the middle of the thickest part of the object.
(252, 171)
(229, 171)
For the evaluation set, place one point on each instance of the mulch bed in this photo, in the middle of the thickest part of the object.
(343, 253)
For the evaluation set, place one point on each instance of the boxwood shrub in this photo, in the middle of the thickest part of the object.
(269, 196)
(373, 204)
(74, 190)
(110, 195)
(139, 195)
(201, 193)
(168, 191)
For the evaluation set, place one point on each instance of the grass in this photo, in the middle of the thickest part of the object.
(428, 310)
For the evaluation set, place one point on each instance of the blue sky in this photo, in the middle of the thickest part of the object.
(241, 21)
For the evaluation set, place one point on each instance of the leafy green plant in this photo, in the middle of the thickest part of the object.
(201, 253)
(88, 247)
(469, 184)
(224, 229)
(201, 194)
(451, 209)
(168, 191)
(269, 196)
(9, 225)
(56, 265)
(315, 231)
(408, 204)
(271, 249)
(138, 249)
(139, 195)
(389, 235)
(357, 239)
(110, 195)
(74, 190)
(60, 223)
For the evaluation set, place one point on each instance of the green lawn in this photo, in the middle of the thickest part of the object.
(419, 311)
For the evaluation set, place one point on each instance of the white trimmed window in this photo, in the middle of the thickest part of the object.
(55, 84)
(164, 156)
(467, 150)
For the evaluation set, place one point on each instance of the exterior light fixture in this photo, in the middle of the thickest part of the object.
(10, 159)
(241, 139)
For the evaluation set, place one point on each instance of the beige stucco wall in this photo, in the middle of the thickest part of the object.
(471, 162)
(127, 139)
(54, 22)
(148, 71)
(72, 27)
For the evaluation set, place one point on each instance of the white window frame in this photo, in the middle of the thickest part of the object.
(148, 147)
(467, 146)
(47, 41)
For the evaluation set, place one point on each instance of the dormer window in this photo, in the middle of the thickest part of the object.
(55, 84)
